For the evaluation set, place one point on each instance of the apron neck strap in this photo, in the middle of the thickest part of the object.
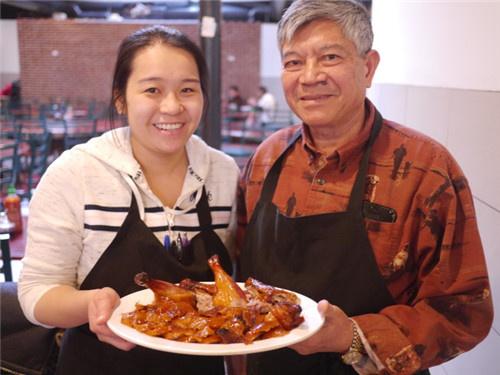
(358, 189)
(273, 175)
(203, 209)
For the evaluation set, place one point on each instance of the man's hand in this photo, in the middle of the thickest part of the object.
(335, 335)
(100, 309)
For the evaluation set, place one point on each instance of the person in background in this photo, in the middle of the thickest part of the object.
(235, 101)
(261, 109)
(138, 198)
(12, 94)
(236, 111)
(6, 90)
(266, 105)
(370, 218)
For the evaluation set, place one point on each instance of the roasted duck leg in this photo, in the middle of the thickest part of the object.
(165, 289)
(228, 294)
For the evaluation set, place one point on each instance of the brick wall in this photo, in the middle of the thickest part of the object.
(240, 55)
(74, 59)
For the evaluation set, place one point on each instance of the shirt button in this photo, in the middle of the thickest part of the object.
(320, 181)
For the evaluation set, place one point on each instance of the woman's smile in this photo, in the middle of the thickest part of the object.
(168, 126)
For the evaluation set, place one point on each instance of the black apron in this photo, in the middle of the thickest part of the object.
(325, 256)
(136, 249)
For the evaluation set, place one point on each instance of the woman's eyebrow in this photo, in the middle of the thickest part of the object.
(149, 79)
(156, 79)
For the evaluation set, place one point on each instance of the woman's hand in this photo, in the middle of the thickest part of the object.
(335, 335)
(100, 308)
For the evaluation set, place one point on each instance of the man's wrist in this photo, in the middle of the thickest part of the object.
(356, 350)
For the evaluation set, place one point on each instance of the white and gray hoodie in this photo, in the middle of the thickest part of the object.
(84, 197)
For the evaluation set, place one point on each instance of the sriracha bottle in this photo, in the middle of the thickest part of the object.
(12, 204)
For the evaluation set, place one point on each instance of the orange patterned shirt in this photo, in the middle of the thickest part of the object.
(422, 227)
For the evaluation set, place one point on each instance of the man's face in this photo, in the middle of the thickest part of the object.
(323, 76)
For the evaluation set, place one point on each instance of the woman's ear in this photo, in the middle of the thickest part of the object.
(120, 106)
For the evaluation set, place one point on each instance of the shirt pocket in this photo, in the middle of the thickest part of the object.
(384, 236)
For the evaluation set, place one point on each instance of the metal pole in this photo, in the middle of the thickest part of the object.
(210, 18)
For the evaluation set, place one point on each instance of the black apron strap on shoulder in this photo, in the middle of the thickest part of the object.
(356, 200)
(203, 210)
(133, 204)
(133, 208)
(272, 177)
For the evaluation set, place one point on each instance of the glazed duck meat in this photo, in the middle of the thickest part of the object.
(221, 312)
(228, 293)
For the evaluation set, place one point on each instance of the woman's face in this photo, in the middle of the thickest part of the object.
(163, 101)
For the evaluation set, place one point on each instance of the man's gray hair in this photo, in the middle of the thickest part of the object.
(350, 15)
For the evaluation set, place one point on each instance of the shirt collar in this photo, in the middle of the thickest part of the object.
(348, 150)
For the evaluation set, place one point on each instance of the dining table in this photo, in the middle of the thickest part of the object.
(18, 241)
(13, 246)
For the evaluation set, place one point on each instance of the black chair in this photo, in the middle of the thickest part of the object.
(9, 170)
(54, 110)
(25, 348)
(9, 163)
(281, 119)
(83, 108)
(9, 128)
(40, 146)
(34, 162)
(31, 126)
(21, 111)
(6, 268)
(79, 131)
(234, 126)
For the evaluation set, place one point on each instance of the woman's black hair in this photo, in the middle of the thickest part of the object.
(146, 37)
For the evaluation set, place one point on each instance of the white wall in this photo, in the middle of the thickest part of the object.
(438, 43)
(9, 51)
(270, 62)
(270, 55)
(440, 74)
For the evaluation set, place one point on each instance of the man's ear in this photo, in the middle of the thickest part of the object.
(372, 59)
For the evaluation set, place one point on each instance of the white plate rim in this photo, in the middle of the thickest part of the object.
(313, 321)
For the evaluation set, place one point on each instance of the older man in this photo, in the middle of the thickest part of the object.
(381, 226)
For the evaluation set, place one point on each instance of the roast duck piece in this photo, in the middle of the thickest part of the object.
(220, 312)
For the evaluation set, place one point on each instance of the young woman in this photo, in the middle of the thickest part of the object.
(149, 197)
